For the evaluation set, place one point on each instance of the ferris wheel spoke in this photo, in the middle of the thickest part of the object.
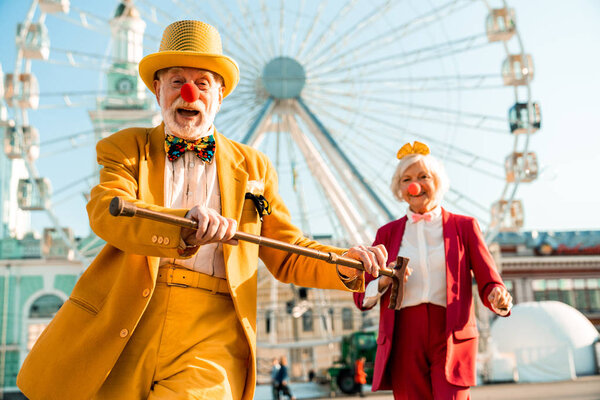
(155, 12)
(344, 80)
(421, 84)
(471, 165)
(477, 116)
(71, 185)
(86, 20)
(296, 29)
(253, 54)
(489, 123)
(461, 197)
(474, 211)
(67, 104)
(396, 61)
(318, 15)
(352, 31)
(335, 20)
(392, 36)
(429, 117)
(269, 36)
(473, 157)
(224, 15)
(281, 26)
(249, 24)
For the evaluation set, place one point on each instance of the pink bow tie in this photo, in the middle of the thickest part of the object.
(417, 217)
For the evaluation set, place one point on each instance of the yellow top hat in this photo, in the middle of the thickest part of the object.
(190, 44)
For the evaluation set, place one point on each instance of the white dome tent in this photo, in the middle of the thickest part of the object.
(544, 341)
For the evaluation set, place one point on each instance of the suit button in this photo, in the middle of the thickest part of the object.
(146, 292)
(166, 241)
(160, 240)
(154, 238)
(124, 332)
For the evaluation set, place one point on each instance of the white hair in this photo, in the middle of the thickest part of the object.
(435, 167)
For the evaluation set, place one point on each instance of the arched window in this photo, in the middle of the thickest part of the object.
(40, 313)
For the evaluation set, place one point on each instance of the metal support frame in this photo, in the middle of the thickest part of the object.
(347, 214)
(255, 133)
(308, 116)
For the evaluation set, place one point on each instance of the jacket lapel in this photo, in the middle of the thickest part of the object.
(152, 176)
(451, 247)
(155, 166)
(232, 182)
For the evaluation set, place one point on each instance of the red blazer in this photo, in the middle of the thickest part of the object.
(466, 252)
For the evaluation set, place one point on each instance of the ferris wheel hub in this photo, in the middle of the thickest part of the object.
(283, 78)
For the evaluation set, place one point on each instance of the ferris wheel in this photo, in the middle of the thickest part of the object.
(329, 90)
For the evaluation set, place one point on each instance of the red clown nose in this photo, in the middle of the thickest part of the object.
(190, 92)
(414, 188)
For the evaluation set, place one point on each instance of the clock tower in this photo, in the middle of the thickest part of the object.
(126, 103)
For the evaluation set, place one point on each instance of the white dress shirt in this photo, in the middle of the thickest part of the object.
(189, 182)
(423, 244)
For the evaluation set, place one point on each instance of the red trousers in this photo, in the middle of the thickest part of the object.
(419, 356)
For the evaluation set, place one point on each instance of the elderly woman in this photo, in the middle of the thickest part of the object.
(427, 348)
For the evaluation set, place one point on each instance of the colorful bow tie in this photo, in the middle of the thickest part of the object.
(417, 217)
(203, 147)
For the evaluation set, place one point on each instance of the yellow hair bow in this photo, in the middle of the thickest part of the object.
(415, 148)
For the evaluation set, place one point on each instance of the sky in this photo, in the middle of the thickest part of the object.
(561, 36)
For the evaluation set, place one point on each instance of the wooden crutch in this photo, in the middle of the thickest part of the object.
(121, 208)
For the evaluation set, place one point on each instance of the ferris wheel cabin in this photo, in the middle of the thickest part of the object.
(54, 246)
(500, 24)
(521, 166)
(21, 141)
(34, 40)
(26, 93)
(509, 214)
(517, 69)
(34, 194)
(55, 6)
(519, 118)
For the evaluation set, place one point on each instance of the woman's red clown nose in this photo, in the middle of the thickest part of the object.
(414, 189)
(190, 92)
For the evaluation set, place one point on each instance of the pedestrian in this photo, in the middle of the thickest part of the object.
(274, 374)
(283, 379)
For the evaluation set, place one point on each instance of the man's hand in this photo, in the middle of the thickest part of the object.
(500, 300)
(212, 227)
(373, 259)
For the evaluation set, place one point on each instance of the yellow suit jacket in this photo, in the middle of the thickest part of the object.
(76, 352)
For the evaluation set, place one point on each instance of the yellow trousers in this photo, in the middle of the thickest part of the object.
(189, 344)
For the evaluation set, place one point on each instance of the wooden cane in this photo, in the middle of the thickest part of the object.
(121, 208)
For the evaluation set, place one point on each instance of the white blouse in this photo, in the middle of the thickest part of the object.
(423, 244)
(189, 182)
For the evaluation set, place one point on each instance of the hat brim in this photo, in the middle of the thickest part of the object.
(217, 63)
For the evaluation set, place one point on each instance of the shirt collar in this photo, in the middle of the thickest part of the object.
(211, 131)
(436, 214)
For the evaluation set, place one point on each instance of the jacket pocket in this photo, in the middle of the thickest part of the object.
(467, 332)
(381, 339)
(85, 305)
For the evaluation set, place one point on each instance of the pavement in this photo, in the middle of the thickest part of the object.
(582, 388)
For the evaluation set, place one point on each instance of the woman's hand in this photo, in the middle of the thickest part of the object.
(385, 281)
(500, 300)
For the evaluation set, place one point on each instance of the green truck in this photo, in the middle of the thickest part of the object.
(354, 346)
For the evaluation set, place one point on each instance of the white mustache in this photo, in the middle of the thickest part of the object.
(180, 103)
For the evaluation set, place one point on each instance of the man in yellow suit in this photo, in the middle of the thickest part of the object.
(165, 312)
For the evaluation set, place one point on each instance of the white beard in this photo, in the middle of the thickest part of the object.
(189, 131)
